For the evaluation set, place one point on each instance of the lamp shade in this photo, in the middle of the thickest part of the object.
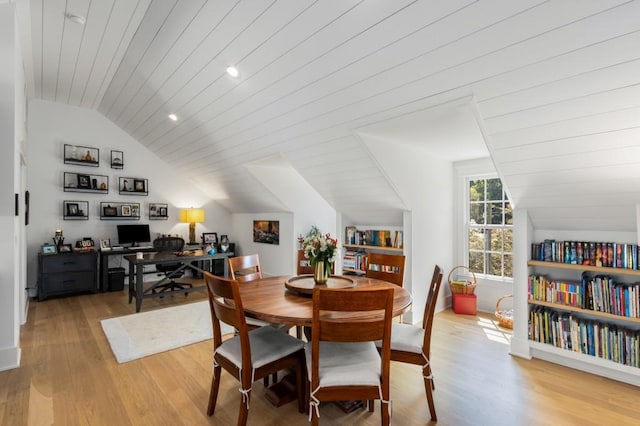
(192, 215)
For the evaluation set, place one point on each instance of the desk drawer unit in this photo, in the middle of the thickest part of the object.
(67, 273)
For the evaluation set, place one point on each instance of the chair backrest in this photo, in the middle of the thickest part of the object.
(430, 308)
(303, 266)
(226, 306)
(165, 244)
(245, 268)
(369, 313)
(387, 267)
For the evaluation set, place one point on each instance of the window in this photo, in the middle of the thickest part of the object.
(489, 228)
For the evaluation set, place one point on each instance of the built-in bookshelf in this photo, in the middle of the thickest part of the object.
(358, 242)
(585, 313)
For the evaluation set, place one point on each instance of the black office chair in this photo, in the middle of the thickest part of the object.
(170, 270)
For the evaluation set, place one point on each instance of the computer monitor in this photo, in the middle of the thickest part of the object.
(133, 235)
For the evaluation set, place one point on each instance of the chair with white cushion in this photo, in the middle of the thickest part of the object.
(342, 361)
(412, 345)
(250, 355)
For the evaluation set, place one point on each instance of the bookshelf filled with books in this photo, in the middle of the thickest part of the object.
(358, 242)
(584, 306)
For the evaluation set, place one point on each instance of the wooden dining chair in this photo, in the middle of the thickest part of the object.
(342, 361)
(250, 355)
(412, 344)
(244, 269)
(303, 267)
(387, 267)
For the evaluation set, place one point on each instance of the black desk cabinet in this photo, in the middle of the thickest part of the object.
(67, 273)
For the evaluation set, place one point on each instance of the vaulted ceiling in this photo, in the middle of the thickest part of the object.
(550, 89)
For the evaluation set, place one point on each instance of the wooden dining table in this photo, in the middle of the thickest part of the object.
(269, 299)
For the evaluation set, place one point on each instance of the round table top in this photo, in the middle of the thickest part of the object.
(268, 299)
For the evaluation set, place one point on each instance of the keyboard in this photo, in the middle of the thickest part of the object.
(141, 247)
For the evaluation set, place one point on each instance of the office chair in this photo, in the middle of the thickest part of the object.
(170, 270)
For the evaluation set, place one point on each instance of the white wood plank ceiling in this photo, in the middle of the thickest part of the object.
(556, 86)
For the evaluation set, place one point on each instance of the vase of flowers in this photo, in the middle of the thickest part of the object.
(320, 249)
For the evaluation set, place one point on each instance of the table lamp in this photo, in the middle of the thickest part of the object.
(192, 216)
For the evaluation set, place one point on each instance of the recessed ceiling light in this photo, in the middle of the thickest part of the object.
(173, 117)
(76, 18)
(233, 71)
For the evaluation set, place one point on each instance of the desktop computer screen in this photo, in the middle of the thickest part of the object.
(134, 235)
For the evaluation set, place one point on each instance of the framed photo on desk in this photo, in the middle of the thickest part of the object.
(210, 238)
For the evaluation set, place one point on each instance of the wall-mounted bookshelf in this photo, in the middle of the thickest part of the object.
(81, 155)
(114, 210)
(133, 186)
(75, 210)
(89, 183)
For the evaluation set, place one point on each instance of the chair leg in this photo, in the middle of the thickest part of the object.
(385, 417)
(428, 383)
(300, 384)
(213, 394)
(243, 414)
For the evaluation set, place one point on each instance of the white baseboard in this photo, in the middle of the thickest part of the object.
(10, 358)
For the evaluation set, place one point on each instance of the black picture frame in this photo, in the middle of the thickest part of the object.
(117, 159)
(109, 211)
(65, 248)
(138, 185)
(84, 181)
(49, 249)
(210, 238)
(27, 197)
(73, 209)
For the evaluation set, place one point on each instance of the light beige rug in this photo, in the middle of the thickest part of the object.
(146, 333)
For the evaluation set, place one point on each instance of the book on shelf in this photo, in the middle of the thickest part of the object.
(599, 254)
(599, 293)
(605, 340)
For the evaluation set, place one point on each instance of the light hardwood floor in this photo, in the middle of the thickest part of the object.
(70, 377)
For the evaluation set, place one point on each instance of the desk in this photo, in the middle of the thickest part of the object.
(190, 260)
(267, 299)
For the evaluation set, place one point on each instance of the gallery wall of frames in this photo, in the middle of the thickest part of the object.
(100, 182)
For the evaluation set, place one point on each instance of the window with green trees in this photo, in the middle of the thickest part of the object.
(489, 228)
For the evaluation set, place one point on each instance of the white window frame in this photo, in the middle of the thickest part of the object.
(467, 171)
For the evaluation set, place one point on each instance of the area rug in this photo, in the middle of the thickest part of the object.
(138, 335)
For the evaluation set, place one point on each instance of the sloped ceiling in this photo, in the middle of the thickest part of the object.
(554, 85)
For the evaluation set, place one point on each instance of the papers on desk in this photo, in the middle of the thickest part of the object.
(117, 248)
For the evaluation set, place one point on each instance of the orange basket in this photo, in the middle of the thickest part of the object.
(505, 317)
(462, 287)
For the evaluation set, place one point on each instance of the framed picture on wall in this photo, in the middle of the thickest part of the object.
(84, 181)
(266, 231)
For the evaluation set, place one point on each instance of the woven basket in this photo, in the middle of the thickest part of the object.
(505, 317)
(462, 287)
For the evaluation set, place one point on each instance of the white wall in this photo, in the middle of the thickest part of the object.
(308, 208)
(274, 259)
(425, 184)
(11, 98)
(51, 125)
